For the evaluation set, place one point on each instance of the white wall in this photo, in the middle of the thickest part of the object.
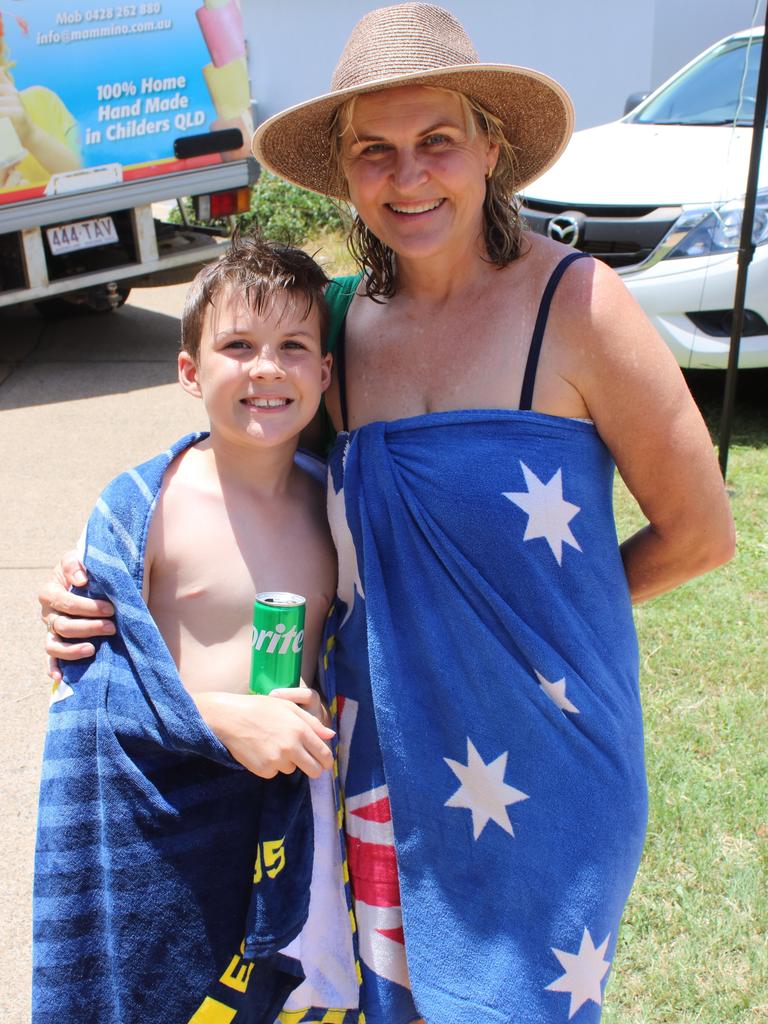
(679, 35)
(600, 50)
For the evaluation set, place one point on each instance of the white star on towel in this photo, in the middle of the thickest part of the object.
(483, 790)
(556, 692)
(349, 572)
(584, 972)
(548, 513)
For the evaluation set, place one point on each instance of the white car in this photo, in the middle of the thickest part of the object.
(659, 196)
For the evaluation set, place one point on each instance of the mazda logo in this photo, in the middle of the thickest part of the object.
(565, 228)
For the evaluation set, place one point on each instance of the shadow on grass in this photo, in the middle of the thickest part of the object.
(750, 418)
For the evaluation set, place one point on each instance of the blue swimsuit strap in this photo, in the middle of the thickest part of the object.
(529, 378)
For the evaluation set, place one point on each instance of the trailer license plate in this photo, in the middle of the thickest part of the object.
(85, 234)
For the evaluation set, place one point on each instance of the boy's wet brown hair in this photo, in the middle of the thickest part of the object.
(262, 272)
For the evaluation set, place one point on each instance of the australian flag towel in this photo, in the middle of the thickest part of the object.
(490, 730)
(166, 876)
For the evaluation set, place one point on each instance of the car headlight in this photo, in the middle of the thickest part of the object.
(715, 229)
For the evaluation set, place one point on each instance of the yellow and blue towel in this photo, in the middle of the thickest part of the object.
(167, 878)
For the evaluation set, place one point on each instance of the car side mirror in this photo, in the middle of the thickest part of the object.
(634, 100)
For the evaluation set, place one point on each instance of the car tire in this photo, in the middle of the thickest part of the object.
(93, 301)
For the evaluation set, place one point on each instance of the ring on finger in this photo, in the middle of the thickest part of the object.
(50, 623)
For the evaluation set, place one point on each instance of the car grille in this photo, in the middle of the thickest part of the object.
(621, 236)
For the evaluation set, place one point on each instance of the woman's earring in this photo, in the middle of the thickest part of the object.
(488, 173)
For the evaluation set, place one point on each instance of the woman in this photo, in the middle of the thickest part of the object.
(482, 652)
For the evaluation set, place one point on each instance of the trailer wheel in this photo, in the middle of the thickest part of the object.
(95, 300)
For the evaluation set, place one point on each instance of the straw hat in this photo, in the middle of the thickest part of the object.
(418, 44)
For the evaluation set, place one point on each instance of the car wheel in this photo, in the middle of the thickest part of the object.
(95, 300)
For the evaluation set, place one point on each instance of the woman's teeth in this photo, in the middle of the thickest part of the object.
(266, 403)
(417, 207)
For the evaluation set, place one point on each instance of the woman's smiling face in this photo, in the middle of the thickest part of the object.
(416, 170)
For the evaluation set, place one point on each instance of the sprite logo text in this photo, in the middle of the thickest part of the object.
(287, 641)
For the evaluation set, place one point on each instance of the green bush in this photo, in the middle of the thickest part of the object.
(282, 212)
(287, 213)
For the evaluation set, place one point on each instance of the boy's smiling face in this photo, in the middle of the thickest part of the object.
(261, 374)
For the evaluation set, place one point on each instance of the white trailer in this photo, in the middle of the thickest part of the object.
(108, 116)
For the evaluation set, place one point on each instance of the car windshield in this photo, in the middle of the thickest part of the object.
(718, 89)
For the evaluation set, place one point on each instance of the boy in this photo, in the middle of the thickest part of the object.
(157, 854)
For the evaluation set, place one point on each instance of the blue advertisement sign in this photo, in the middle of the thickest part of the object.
(83, 85)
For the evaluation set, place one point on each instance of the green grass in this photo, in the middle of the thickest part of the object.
(330, 250)
(693, 948)
(693, 942)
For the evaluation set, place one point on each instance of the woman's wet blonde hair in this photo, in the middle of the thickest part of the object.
(502, 224)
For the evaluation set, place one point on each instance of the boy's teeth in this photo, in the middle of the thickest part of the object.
(267, 403)
(420, 208)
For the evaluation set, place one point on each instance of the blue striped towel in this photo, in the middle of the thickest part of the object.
(167, 878)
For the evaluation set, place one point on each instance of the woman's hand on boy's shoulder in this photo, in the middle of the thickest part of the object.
(72, 620)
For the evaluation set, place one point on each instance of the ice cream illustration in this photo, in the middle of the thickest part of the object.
(222, 27)
(228, 86)
(227, 75)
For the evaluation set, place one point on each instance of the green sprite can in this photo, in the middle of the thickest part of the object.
(277, 640)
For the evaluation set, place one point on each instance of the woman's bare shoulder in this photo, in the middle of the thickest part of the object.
(596, 320)
(539, 254)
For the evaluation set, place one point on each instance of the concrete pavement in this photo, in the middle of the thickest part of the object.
(80, 400)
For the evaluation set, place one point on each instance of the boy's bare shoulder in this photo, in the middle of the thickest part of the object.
(310, 479)
(310, 492)
(155, 542)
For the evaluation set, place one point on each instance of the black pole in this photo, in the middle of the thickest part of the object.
(746, 252)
